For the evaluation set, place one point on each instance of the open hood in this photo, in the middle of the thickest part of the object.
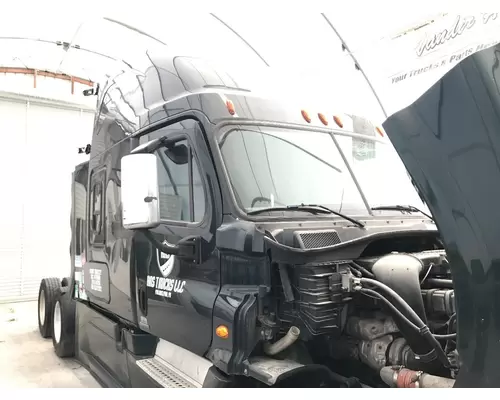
(402, 65)
(449, 140)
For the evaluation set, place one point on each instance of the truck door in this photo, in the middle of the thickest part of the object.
(176, 297)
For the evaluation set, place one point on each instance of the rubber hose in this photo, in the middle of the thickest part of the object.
(441, 283)
(423, 328)
(396, 296)
(286, 341)
(401, 315)
(363, 270)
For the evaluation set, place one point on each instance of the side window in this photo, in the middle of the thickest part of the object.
(182, 195)
(97, 209)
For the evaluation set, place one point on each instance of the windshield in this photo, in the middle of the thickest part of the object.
(271, 167)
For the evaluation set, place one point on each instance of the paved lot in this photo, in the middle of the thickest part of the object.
(27, 360)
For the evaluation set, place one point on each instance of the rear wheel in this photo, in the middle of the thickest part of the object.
(63, 328)
(47, 294)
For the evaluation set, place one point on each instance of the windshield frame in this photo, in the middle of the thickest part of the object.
(223, 128)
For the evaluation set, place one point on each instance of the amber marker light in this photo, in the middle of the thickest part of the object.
(230, 107)
(306, 116)
(222, 331)
(323, 119)
(338, 121)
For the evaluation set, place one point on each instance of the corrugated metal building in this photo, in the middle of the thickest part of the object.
(40, 129)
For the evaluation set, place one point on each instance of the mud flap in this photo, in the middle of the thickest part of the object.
(272, 372)
(269, 370)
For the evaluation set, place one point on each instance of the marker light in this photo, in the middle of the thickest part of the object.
(338, 121)
(230, 107)
(379, 130)
(306, 115)
(323, 119)
(222, 331)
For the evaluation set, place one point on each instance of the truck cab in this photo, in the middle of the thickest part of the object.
(225, 238)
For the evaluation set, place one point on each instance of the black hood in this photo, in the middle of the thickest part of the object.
(449, 140)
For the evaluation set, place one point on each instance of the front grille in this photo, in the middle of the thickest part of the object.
(316, 239)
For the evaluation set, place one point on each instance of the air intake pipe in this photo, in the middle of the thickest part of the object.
(401, 272)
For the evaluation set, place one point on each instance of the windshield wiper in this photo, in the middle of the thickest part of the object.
(409, 209)
(312, 208)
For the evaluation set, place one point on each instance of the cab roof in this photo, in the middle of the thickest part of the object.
(170, 84)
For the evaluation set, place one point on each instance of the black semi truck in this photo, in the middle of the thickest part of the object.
(222, 238)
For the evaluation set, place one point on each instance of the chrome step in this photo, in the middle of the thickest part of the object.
(165, 374)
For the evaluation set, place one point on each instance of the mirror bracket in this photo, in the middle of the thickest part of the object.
(188, 248)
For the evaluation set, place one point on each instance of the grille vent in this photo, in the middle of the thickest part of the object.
(316, 239)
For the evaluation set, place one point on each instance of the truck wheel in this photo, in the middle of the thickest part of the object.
(63, 327)
(49, 290)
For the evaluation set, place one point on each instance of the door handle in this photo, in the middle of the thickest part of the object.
(143, 298)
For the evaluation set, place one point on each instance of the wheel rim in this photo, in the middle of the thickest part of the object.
(41, 307)
(57, 322)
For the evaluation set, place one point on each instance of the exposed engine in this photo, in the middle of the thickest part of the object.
(391, 306)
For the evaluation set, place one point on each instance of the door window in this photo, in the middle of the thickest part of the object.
(182, 196)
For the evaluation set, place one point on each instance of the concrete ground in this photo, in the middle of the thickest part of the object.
(27, 360)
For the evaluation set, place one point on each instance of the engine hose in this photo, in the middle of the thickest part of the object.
(355, 272)
(395, 310)
(286, 341)
(412, 314)
(363, 270)
(390, 305)
(422, 327)
(447, 337)
(441, 283)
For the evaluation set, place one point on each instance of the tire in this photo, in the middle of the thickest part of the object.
(47, 294)
(63, 327)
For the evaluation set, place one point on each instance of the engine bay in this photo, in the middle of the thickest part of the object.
(382, 310)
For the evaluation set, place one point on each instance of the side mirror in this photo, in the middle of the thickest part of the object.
(140, 193)
(179, 154)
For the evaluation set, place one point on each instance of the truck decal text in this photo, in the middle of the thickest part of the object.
(165, 286)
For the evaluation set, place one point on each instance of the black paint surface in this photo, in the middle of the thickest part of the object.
(449, 140)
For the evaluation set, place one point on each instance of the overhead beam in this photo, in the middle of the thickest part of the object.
(134, 29)
(71, 45)
(240, 37)
(356, 63)
(36, 73)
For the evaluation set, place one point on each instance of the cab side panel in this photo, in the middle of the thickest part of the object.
(108, 269)
(79, 225)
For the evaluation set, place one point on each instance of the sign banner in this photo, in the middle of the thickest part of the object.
(402, 68)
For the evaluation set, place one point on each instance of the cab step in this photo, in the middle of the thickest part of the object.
(165, 374)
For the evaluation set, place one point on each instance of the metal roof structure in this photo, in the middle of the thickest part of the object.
(301, 51)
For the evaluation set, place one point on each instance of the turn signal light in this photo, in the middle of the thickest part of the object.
(222, 331)
(379, 131)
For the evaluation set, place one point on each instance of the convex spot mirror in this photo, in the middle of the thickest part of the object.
(179, 154)
(140, 193)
